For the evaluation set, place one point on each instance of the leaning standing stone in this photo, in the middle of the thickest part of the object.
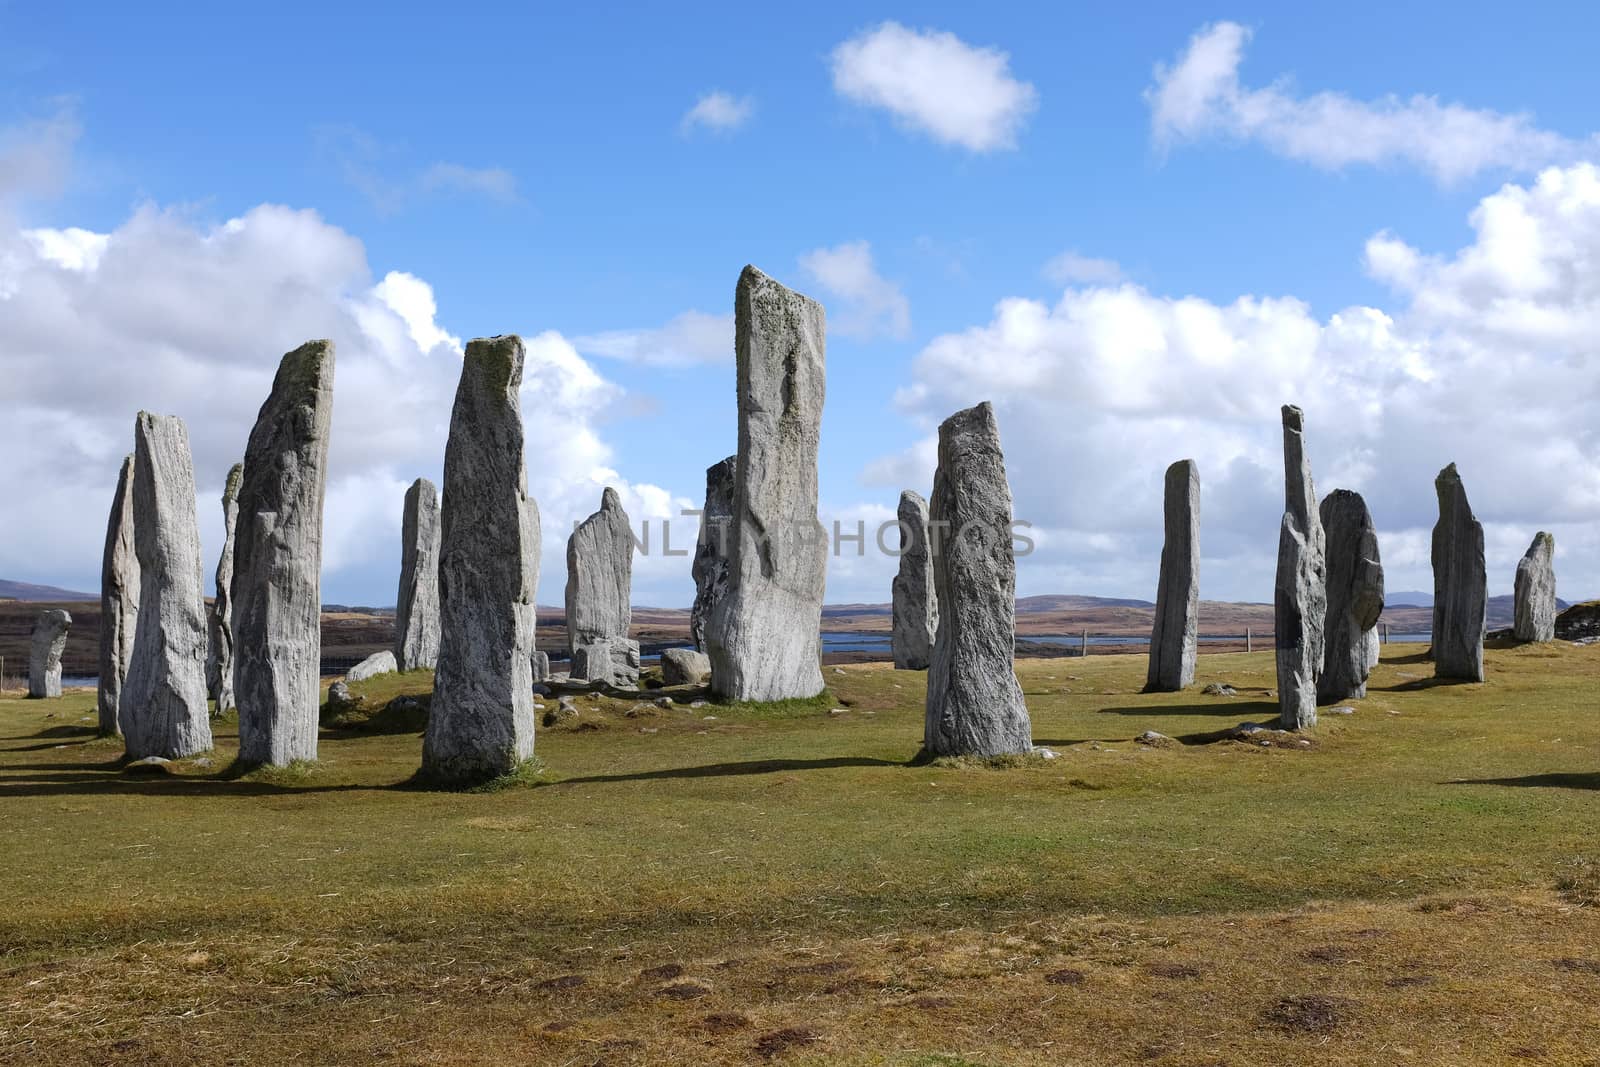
(599, 590)
(119, 601)
(44, 655)
(1355, 597)
(1460, 583)
(765, 636)
(974, 705)
(711, 553)
(163, 707)
(416, 639)
(480, 724)
(1300, 598)
(1176, 631)
(219, 661)
(914, 602)
(1536, 591)
(277, 579)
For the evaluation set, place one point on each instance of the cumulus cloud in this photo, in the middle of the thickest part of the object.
(1200, 95)
(36, 155)
(862, 303)
(689, 338)
(937, 84)
(718, 112)
(1487, 360)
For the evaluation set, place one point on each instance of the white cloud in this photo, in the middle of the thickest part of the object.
(935, 82)
(36, 155)
(1488, 360)
(496, 183)
(1201, 96)
(390, 183)
(1070, 268)
(868, 305)
(719, 112)
(689, 338)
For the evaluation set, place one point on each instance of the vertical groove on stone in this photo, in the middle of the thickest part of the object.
(914, 601)
(1300, 591)
(1460, 583)
(1355, 597)
(1174, 636)
(219, 659)
(119, 602)
(713, 548)
(1535, 598)
(416, 617)
(277, 579)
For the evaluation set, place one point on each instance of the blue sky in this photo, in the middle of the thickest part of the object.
(540, 174)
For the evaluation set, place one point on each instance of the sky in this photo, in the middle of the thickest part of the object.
(1137, 235)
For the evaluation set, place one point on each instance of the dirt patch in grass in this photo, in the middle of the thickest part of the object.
(1309, 1014)
(774, 1044)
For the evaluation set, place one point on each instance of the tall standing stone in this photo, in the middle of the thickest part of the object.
(1460, 583)
(119, 601)
(974, 705)
(914, 601)
(480, 724)
(44, 653)
(416, 617)
(163, 706)
(219, 660)
(1174, 637)
(713, 548)
(1355, 597)
(765, 637)
(1300, 597)
(277, 577)
(1536, 591)
(599, 591)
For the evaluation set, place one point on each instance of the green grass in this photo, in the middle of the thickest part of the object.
(812, 876)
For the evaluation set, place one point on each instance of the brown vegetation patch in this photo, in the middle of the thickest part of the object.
(772, 1045)
(1311, 1014)
(685, 991)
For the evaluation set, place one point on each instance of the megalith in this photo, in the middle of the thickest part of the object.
(1354, 597)
(1299, 601)
(277, 575)
(914, 604)
(598, 598)
(50, 628)
(416, 617)
(1176, 631)
(1460, 583)
(713, 548)
(974, 704)
(119, 601)
(480, 724)
(219, 658)
(765, 634)
(163, 707)
(1535, 599)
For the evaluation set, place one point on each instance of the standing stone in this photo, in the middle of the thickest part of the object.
(974, 705)
(44, 656)
(765, 635)
(374, 665)
(599, 591)
(915, 604)
(1355, 597)
(541, 666)
(1536, 591)
(219, 661)
(277, 578)
(1460, 583)
(713, 548)
(119, 602)
(163, 706)
(416, 617)
(480, 724)
(1176, 631)
(1300, 595)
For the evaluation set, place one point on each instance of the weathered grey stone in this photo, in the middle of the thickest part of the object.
(119, 601)
(1460, 583)
(765, 635)
(612, 661)
(163, 706)
(1177, 627)
(416, 617)
(374, 665)
(974, 705)
(481, 723)
(685, 666)
(277, 577)
(1536, 591)
(913, 600)
(714, 547)
(599, 588)
(219, 656)
(1354, 597)
(340, 697)
(1300, 596)
(541, 667)
(50, 628)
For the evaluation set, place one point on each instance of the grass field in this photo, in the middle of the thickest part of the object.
(1417, 885)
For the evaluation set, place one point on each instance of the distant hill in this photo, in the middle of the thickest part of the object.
(40, 593)
(1413, 598)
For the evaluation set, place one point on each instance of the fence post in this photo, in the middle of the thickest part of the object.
(1386, 633)
(1083, 646)
(1249, 643)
